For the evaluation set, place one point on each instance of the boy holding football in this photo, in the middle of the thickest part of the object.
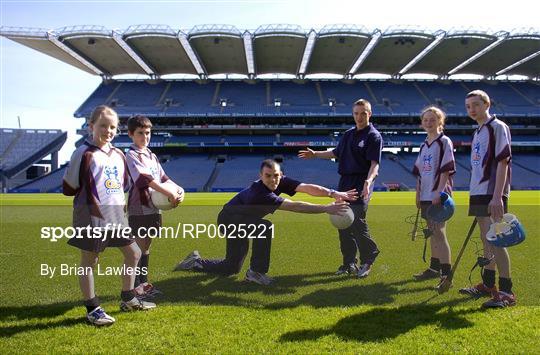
(147, 175)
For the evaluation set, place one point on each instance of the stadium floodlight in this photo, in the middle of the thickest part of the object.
(331, 102)
(223, 102)
(277, 102)
(501, 36)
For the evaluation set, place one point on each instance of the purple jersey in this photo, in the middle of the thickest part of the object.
(97, 177)
(433, 160)
(258, 201)
(144, 167)
(356, 149)
(490, 145)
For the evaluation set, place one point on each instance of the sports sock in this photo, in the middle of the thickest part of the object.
(505, 285)
(127, 295)
(91, 304)
(435, 264)
(445, 269)
(143, 268)
(488, 277)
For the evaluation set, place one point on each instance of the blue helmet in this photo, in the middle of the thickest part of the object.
(507, 233)
(442, 212)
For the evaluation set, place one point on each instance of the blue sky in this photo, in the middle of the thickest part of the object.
(45, 92)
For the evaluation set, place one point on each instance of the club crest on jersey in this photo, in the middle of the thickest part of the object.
(112, 183)
(361, 144)
(475, 159)
(427, 167)
(154, 172)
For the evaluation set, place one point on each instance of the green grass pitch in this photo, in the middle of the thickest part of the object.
(307, 310)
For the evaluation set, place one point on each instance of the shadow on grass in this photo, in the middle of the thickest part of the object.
(362, 294)
(8, 331)
(384, 323)
(208, 289)
(38, 311)
(42, 311)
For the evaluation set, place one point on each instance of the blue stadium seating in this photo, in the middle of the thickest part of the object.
(237, 172)
(196, 139)
(394, 98)
(98, 97)
(524, 178)
(397, 168)
(191, 171)
(244, 95)
(294, 94)
(462, 177)
(530, 90)
(345, 94)
(450, 96)
(191, 97)
(139, 93)
(531, 161)
(400, 98)
(314, 171)
(51, 182)
(20, 148)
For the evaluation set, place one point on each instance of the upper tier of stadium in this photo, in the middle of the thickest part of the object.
(305, 98)
(345, 50)
(21, 148)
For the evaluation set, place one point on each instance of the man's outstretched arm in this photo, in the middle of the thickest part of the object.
(310, 154)
(321, 191)
(306, 207)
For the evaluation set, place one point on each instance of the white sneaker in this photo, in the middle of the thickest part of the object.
(350, 269)
(99, 317)
(136, 305)
(364, 270)
(192, 261)
(258, 278)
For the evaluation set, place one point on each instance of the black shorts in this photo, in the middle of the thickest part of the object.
(144, 222)
(424, 205)
(478, 205)
(111, 239)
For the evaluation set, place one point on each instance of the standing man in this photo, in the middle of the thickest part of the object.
(244, 214)
(359, 155)
(488, 197)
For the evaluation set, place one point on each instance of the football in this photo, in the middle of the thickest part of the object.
(342, 221)
(161, 201)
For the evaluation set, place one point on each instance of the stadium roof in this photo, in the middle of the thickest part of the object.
(346, 50)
